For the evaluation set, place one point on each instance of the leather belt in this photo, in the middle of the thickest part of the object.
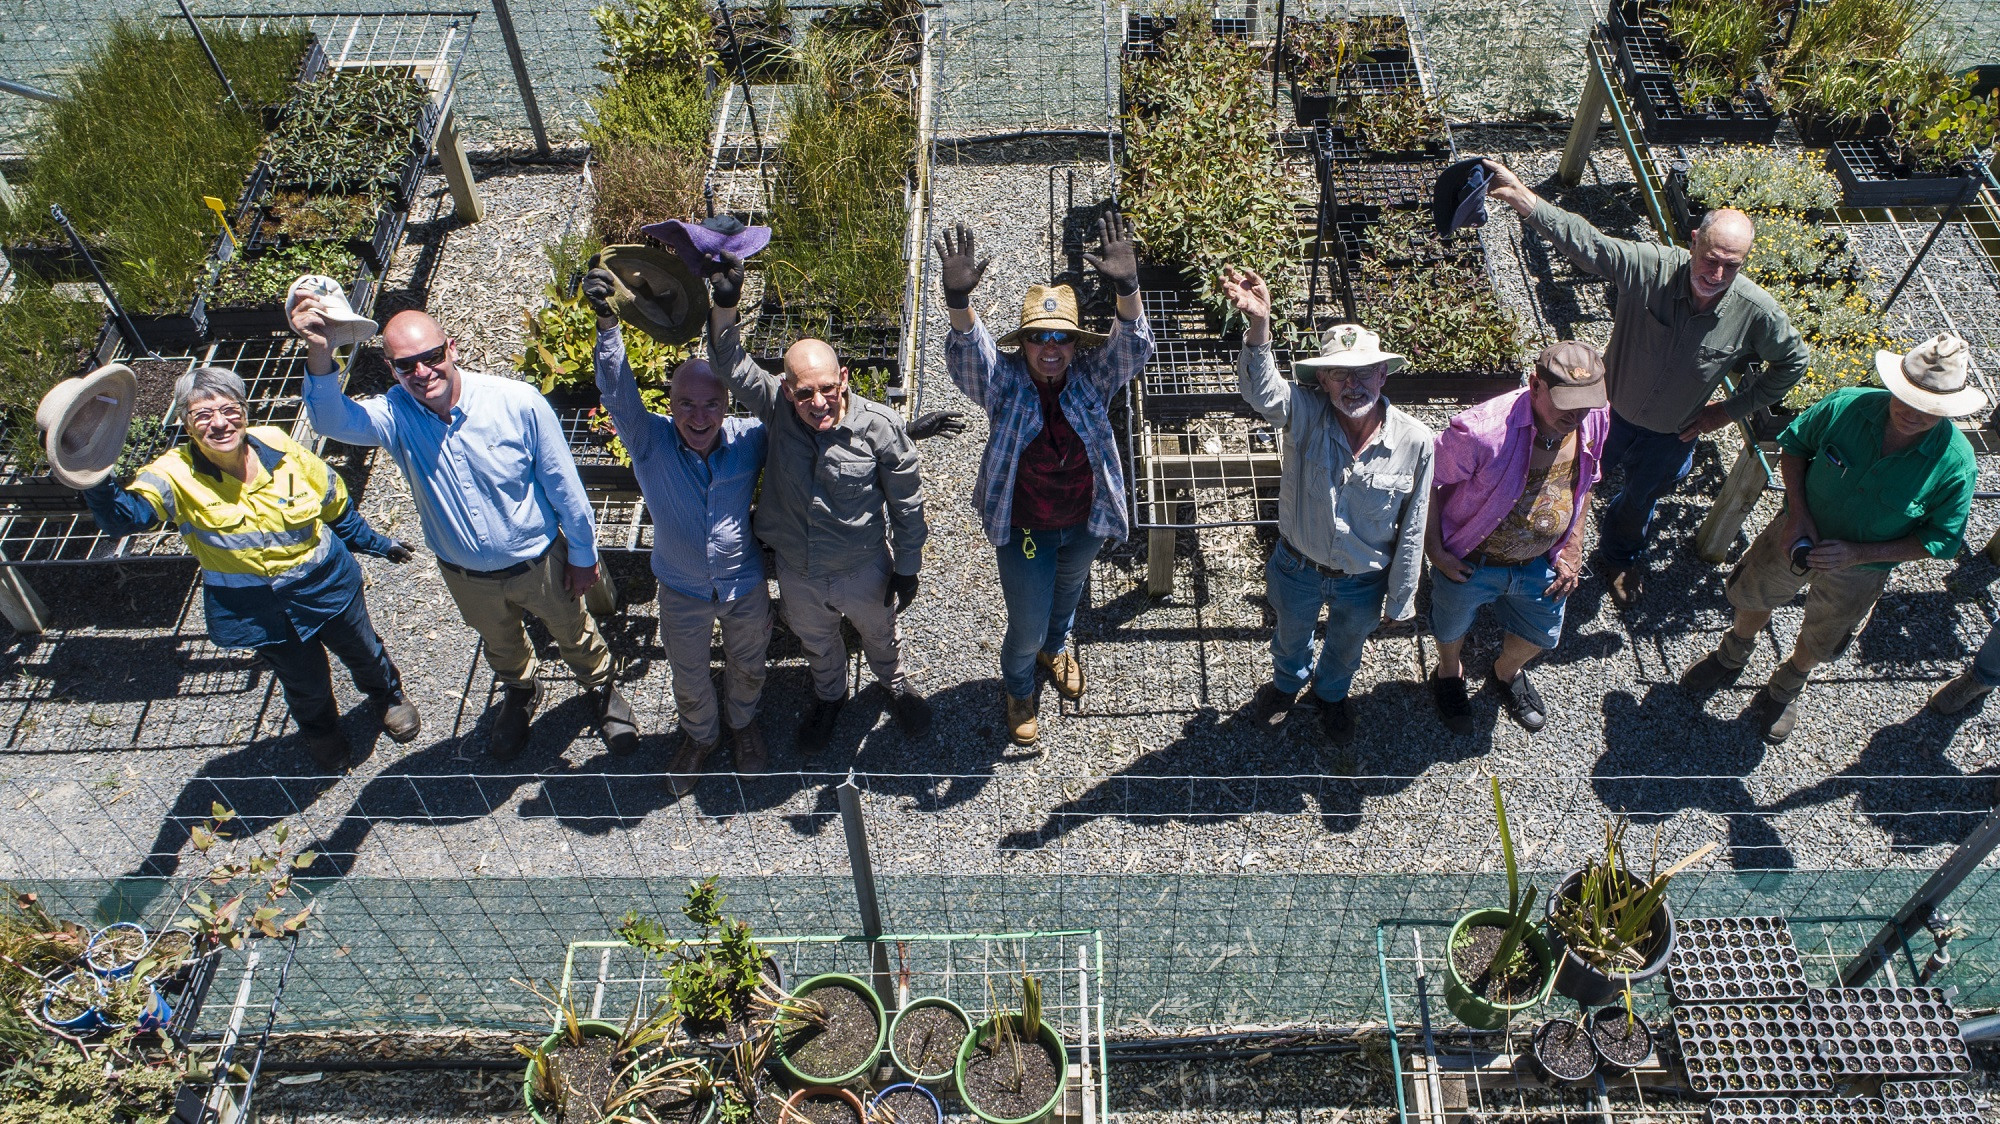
(504, 572)
(1324, 571)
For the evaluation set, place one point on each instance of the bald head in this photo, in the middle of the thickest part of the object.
(817, 384)
(699, 402)
(424, 358)
(1720, 246)
(1727, 227)
(694, 376)
(411, 330)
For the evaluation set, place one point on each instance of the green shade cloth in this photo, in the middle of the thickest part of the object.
(1925, 489)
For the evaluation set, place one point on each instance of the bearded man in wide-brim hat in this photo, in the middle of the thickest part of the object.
(1050, 491)
(1874, 476)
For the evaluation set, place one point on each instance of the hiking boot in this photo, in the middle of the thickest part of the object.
(684, 771)
(1336, 720)
(615, 723)
(1775, 719)
(1710, 675)
(816, 728)
(1021, 725)
(1523, 701)
(751, 756)
(1454, 709)
(1627, 585)
(510, 726)
(1064, 671)
(1959, 694)
(913, 714)
(328, 748)
(399, 718)
(1270, 705)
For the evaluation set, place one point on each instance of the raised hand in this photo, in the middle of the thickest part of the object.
(937, 423)
(725, 281)
(598, 287)
(309, 322)
(959, 266)
(1117, 256)
(1247, 291)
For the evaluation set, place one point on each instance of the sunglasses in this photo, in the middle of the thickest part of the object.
(431, 358)
(1049, 336)
(803, 394)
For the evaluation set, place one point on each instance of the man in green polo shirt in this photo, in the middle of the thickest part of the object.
(1885, 478)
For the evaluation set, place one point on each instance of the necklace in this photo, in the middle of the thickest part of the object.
(1549, 444)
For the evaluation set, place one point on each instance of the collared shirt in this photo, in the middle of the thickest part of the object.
(260, 590)
(493, 485)
(1855, 494)
(700, 504)
(831, 500)
(1356, 512)
(1666, 358)
(1003, 388)
(1482, 469)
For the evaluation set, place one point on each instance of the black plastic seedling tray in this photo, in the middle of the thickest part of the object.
(1942, 1101)
(1887, 1031)
(1797, 1110)
(1729, 959)
(1734, 1049)
(1750, 119)
(1869, 177)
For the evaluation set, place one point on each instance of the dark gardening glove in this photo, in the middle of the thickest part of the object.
(937, 423)
(1117, 256)
(598, 286)
(902, 590)
(399, 552)
(959, 266)
(725, 281)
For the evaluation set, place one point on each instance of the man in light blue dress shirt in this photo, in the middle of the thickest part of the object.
(698, 470)
(501, 504)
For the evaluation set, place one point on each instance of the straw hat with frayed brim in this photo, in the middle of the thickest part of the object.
(1051, 308)
(1934, 377)
(1347, 345)
(83, 422)
(656, 293)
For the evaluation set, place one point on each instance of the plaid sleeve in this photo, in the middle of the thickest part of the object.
(970, 358)
(1123, 356)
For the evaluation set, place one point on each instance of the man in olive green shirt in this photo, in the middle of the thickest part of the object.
(1872, 478)
(1683, 321)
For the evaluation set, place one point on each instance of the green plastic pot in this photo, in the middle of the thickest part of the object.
(591, 1028)
(901, 1062)
(1047, 1037)
(1476, 1011)
(782, 1051)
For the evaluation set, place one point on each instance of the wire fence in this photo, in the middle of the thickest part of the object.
(1222, 901)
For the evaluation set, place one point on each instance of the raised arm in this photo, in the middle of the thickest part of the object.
(756, 387)
(126, 511)
(1257, 377)
(616, 387)
(1130, 347)
(1117, 261)
(332, 413)
(1617, 260)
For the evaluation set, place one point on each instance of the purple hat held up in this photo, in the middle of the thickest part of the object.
(700, 246)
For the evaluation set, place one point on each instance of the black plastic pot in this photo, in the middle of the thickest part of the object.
(1748, 119)
(1590, 986)
(1871, 176)
(1606, 1064)
(1551, 1069)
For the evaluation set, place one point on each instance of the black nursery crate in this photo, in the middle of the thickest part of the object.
(1797, 1110)
(1869, 177)
(238, 322)
(416, 155)
(1142, 33)
(1750, 119)
(596, 466)
(1641, 55)
(774, 329)
(1936, 1101)
(1750, 1048)
(1732, 959)
(869, 345)
(1394, 186)
(1628, 17)
(1338, 144)
(53, 262)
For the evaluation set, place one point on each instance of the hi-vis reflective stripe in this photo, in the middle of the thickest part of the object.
(160, 485)
(304, 567)
(256, 540)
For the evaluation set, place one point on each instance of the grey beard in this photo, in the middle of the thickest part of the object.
(1340, 403)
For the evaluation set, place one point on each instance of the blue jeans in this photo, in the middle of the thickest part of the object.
(1041, 594)
(1986, 665)
(1518, 596)
(1353, 610)
(1654, 464)
(302, 669)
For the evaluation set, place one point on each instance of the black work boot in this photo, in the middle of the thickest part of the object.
(328, 748)
(400, 719)
(913, 714)
(510, 726)
(1722, 667)
(615, 723)
(816, 728)
(1454, 708)
(1270, 705)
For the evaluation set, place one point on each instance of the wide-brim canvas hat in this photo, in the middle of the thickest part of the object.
(1934, 377)
(1051, 308)
(700, 245)
(1459, 200)
(1347, 345)
(657, 293)
(83, 422)
(344, 326)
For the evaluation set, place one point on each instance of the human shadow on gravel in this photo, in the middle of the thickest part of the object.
(1912, 627)
(1904, 784)
(1664, 755)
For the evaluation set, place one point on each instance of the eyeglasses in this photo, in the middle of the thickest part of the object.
(1049, 336)
(1353, 376)
(804, 394)
(203, 417)
(431, 358)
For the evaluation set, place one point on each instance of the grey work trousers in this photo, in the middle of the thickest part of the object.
(813, 608)
(687, 628)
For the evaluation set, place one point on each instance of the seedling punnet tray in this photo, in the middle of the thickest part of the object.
(1735, 1048)
(1797, 1110)
(1934, 1102)
(1725, 959)
(1890, 1031)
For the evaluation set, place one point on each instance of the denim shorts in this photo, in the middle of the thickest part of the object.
(1515, 592)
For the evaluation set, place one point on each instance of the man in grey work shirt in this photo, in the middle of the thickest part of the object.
(698, 470)
(1351, 505)
(1685, 318)
(842, 508)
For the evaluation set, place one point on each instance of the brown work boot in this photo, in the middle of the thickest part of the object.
(751, 756)
(1959, 694)
(1627, 585)
(684, 771)
(1064, 671)
(1021, 724)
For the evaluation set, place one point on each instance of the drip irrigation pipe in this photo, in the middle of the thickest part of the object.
(1024, 134)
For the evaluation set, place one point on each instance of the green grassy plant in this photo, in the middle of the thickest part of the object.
(1431, 301)
(43, 340)
(143, 133)
(664, 107)
(1609, 921)
(300, 217)
(656, 35)
(266, 278)
(640, 182)
(348, 130)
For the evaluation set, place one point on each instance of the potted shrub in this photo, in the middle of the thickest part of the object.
(116, 949)
(1614, 930)
(1011, 1069)
(824, 1105)
(249, 293)
(71, 1003)
(831, 1030)
(722, 984)
(905, 1103)
(1620, 1038)
(588, 1070)
(925, 1036)
(1496, 962)
(1562, 1050)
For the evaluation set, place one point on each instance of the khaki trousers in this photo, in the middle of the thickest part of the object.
(1837, 605)
(813, 608)
(687, 627)
(494, 607)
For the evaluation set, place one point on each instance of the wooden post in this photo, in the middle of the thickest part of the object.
(465, 198)
(1590, 107)
(20, 604)
(1739, 494)
(1159, 562)
(1993, 549)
